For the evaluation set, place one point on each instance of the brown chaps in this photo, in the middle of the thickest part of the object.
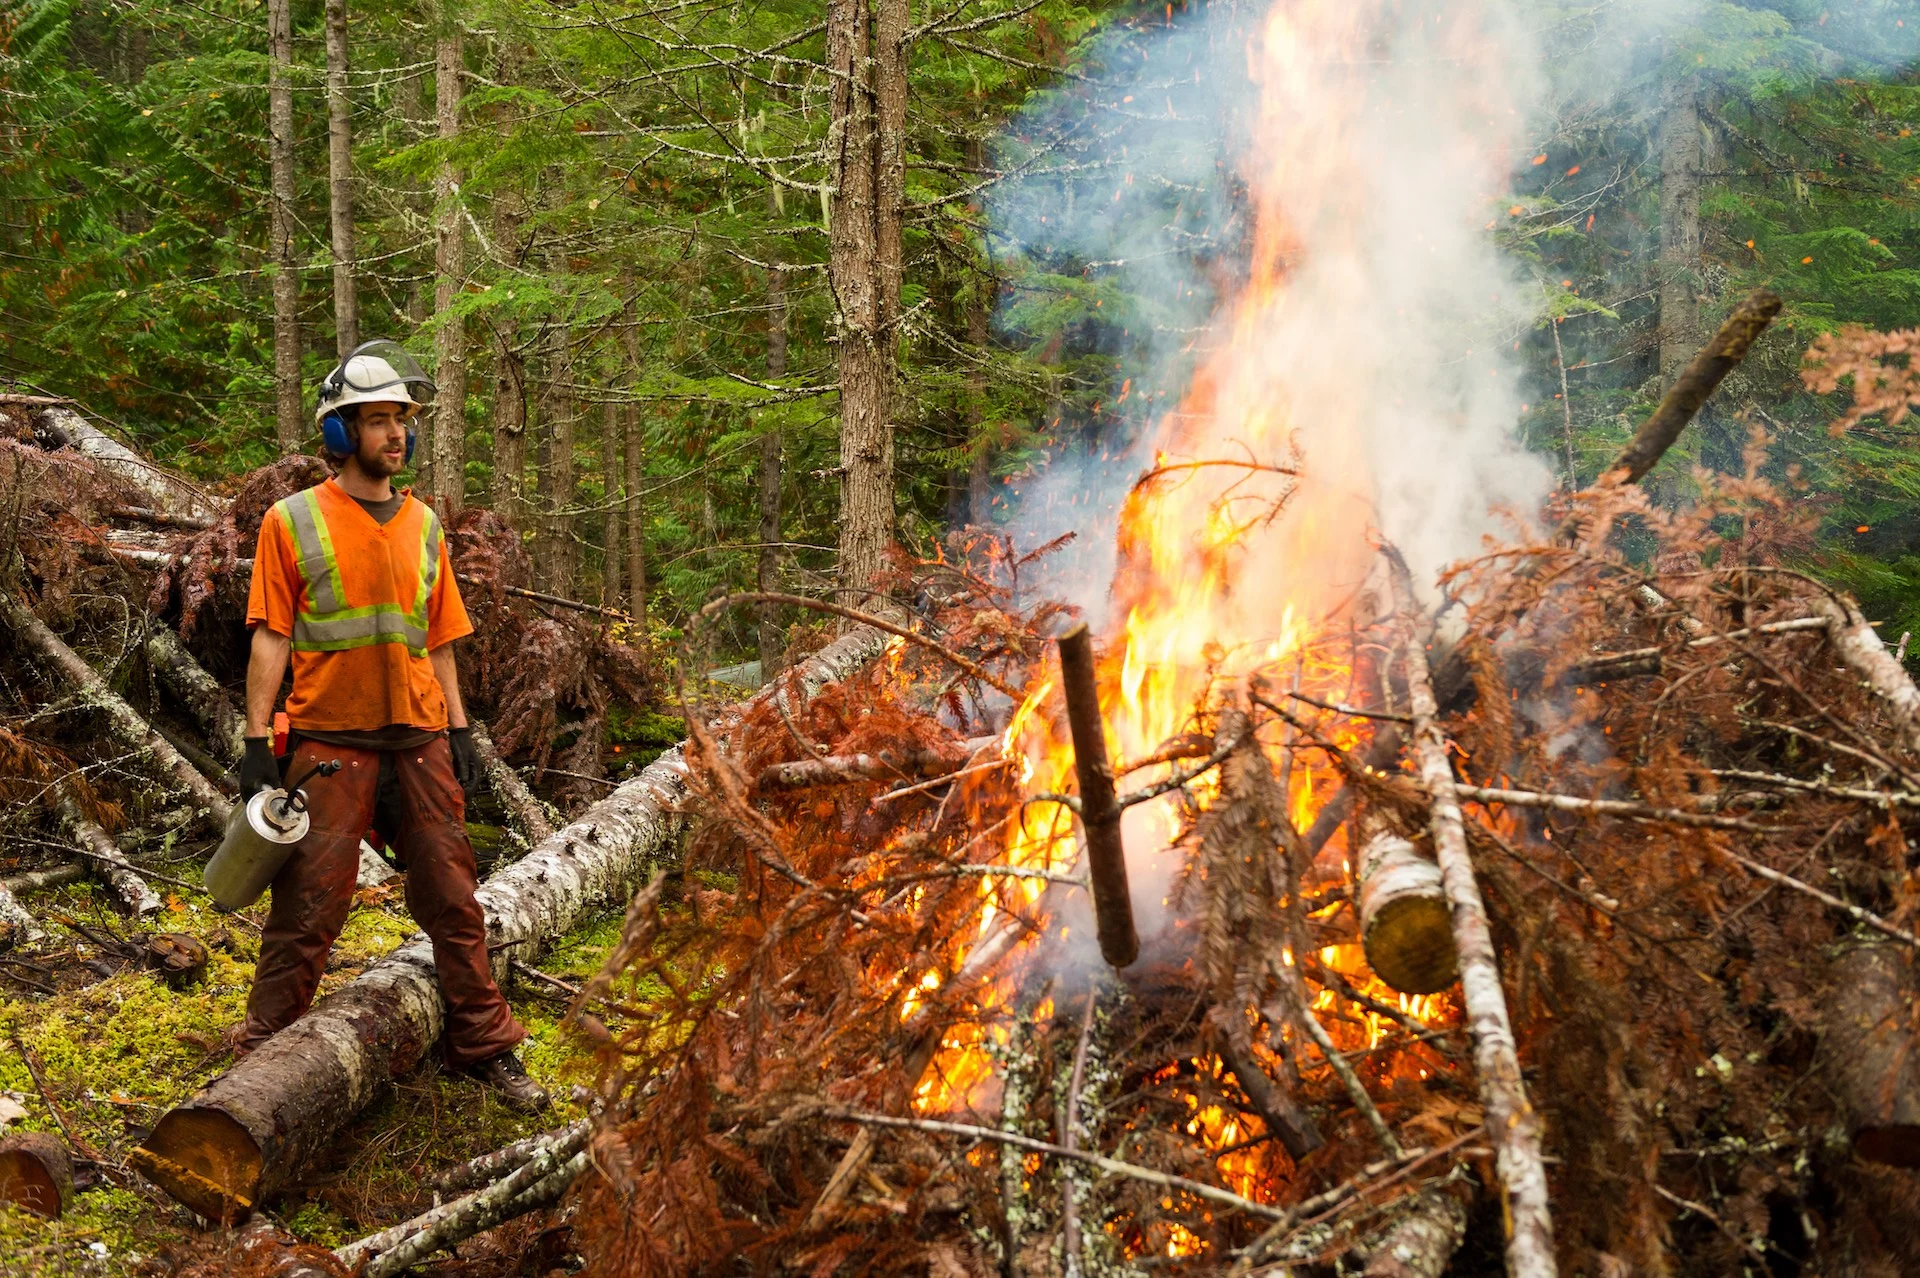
(314, 890)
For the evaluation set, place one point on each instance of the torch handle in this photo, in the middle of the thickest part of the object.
(1099, 808)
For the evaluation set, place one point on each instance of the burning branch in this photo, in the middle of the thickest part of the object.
(1099, 810)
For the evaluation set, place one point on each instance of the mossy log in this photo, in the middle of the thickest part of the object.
(1871, 1049)
(36, 1173)
(253, 1128)
(131, 893)
(199, 692)
(125, 720)
(512, 792)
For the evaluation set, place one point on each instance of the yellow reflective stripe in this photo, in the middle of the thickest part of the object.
(323, 625)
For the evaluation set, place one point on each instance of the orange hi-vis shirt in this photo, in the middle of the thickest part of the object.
(363, 603)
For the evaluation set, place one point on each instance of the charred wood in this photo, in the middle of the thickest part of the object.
(1099, 809)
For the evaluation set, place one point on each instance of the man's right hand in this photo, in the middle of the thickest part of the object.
(259, 770)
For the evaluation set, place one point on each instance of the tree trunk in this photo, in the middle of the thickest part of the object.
(867, 55)
(1682, 155)
(612, 547)
(449, 436)
(170, 494)
(634, 524)
(125, 720)
(252, 1129)
(772, 641)
(554, 546)
(287, 396)
(346, 306)
(633, 454)
(979, 308)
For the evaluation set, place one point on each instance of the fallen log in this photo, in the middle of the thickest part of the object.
(1405, 928)
(199, 692)
(40, 880)
(60, 426)
(540, 1179)
(251, 1129)
(16, 925)
(512, 792)
(130, 892)
(1422, 1242)
(126, 721)
(1513, 1128)
(36, 1173)
(1873, 1060)
(1860, 647)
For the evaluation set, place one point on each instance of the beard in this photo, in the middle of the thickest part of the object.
(380, 464)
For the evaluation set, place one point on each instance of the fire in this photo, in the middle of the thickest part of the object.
(1243, 547)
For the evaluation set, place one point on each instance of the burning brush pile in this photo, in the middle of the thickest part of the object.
(1576, 923)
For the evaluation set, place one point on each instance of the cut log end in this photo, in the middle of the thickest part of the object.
(205, 1159)
(36, 1174)
(1406, 928)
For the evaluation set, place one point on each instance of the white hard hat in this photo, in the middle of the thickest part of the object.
(376, 372)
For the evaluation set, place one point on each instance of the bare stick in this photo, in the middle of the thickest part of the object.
(1641, 661)
(1351, 1081)
(490, 1167)
(845, 769)
(1099, 811)
(1690, 390)
(393, 1250)
(130, 891)
(1512, 1126)
(1606, 807)
(1112, 1166)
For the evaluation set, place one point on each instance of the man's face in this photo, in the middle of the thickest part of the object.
(383, 439)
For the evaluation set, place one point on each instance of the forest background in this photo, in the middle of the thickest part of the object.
(717, 299)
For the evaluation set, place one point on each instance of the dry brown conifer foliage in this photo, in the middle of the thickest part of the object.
(1675, 1009)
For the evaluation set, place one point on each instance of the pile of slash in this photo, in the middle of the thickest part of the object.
(1592, 951)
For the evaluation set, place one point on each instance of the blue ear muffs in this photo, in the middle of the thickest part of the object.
(333, 434)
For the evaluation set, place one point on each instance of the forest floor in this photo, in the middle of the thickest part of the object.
(115, 1047)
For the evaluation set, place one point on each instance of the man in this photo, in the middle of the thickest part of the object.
(352, 581)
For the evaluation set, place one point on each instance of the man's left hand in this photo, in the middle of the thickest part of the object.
(466, 758)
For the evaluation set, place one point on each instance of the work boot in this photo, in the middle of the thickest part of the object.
(506, 1075)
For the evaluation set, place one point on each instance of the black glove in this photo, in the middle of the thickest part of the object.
(259, 770)
(466, 759)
